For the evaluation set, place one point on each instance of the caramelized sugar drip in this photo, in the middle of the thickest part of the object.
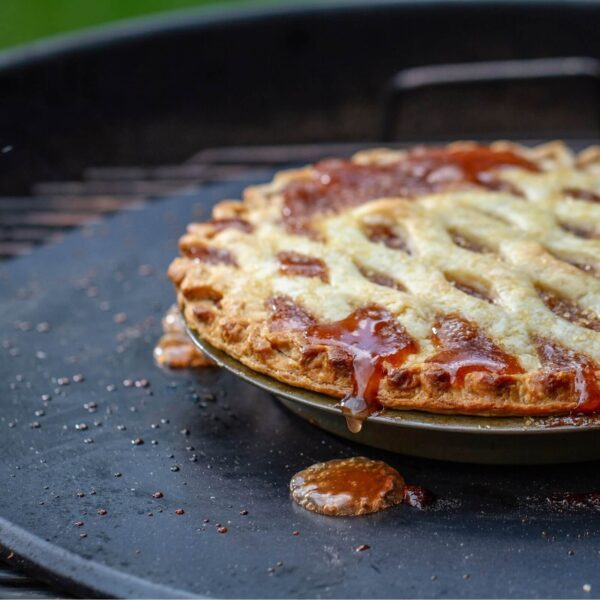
(469, 290)
(175, 349)
(231, 223)
(569, 310)
(466, 243)
(463, 348)
(286, 314)
(207, 254)
(347, 487)
(379, 233)
(580, 194)
(371, 337)
(586, 372)
(380, 278)
(301, 265)
(338, 184)
(582, 232)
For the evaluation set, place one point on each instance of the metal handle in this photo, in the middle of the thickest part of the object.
(436, 76)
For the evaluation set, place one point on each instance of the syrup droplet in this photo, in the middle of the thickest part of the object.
(347, 487)
(464, 348)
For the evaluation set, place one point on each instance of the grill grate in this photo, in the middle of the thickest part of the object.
(56, 206)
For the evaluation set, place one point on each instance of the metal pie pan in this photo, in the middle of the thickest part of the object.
(460, 438)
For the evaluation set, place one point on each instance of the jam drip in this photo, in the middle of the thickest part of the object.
(294, 263)
(371, 337)
(569, 310)
(337, 184)
(464, 348)
(348, 487)
(556, 357)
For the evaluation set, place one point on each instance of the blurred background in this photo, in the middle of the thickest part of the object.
(203, 91)
(27, 20)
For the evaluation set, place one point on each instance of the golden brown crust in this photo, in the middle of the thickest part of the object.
(229, 270)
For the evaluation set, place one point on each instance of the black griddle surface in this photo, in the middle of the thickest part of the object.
(491, 534)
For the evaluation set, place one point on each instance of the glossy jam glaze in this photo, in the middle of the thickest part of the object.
(463, 348)
(347, 487)
(336, 184)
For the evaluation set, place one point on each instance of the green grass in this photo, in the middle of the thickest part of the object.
(26, 20)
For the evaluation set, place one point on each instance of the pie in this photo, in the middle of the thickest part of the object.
(458, 279)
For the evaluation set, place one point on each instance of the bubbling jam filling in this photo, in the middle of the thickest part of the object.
(585, 372)
(463, 348)
(569, 310)
(338, 184)
(347, 487)
(372, 338)
(294, 263)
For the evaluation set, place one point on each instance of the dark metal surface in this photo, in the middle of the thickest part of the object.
(16, 585)
(484, 440)
(566, 70)
(492, 533)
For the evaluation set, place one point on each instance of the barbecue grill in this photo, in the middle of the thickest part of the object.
(155, 118)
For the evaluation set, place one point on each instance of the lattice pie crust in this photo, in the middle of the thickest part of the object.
(472, 287)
